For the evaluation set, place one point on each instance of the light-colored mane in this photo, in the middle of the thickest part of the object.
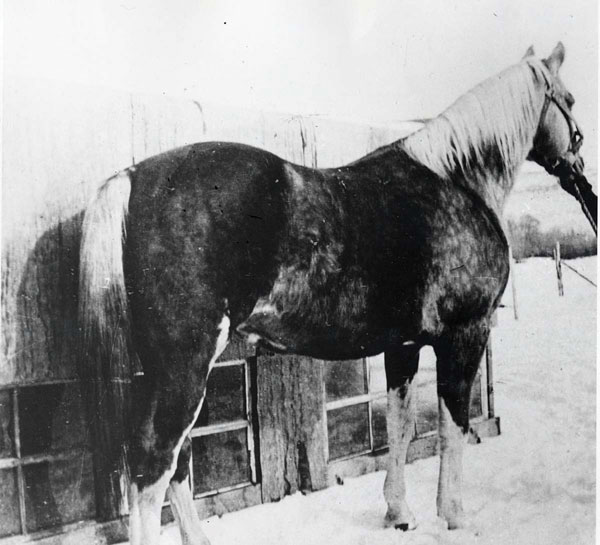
(485, 136)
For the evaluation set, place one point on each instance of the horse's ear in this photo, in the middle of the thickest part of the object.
(529, 53)
(556, 58)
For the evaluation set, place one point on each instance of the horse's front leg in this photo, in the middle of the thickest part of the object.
(400, 367)
(458, 353)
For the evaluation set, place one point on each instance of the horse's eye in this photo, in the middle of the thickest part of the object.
(570, 100)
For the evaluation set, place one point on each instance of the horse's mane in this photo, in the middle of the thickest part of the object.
(491, 127)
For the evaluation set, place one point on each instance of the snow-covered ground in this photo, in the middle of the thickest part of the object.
(534, 484)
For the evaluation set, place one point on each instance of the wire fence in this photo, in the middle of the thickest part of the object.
(577, 272)
(559, 263)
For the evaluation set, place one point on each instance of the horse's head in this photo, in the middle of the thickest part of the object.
(558, 138)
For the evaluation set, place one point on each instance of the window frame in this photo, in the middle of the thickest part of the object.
(481, 378)
(369, 397)
(235, 425)
(18, 462)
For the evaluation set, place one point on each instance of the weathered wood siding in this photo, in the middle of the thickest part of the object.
(59, 143)
(291, 423)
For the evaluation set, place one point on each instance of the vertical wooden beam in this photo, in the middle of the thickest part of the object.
(290, 408)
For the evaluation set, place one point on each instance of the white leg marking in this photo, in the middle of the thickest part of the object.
(182, 504)
(144, 517)
(400, 426)
(449, 496)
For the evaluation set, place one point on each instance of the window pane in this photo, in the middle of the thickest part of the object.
(7, 440)
(426, 400)
(378, 419)
(220, 460)
(348, 430)
(9, 503)
(51, 418)
(225, 396)
(345, 379)
(59, 492)
(378, 382)
(427, 408)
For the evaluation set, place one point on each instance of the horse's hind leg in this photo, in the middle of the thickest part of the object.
(167, 416)
(182, 502)
(458, 352)
(400, 368)
(177, 382)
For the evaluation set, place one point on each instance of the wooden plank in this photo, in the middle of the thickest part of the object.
(55, 152)
(116, 531)
(291, 425)
(227, 502)
(75, 534)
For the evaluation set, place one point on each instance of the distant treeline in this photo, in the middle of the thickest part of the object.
(527, 240)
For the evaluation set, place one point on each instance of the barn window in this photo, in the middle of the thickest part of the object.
(46, 473)
(356, 400)
(222, 437)
(357, 403)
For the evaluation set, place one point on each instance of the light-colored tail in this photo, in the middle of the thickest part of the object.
(102, 294)
(103, 320)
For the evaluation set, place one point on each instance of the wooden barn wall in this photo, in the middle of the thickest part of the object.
(59, 143)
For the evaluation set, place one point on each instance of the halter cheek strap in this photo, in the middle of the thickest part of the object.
(575, 134)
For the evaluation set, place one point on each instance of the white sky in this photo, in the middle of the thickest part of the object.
(360, 59)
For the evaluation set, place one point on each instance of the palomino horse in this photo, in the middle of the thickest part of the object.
(400, 249)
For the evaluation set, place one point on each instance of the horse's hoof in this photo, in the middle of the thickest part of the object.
(456, 521)
(405, 521)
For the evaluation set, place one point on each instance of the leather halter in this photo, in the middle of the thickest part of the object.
(569, 166)
(575, 134)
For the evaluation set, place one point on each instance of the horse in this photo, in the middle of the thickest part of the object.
(400, 249)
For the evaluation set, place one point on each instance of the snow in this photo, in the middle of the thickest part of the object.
(535, 483)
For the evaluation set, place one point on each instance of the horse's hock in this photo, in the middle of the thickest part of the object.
(270, 426)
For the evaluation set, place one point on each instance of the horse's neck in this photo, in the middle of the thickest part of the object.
(481, 159)
(490, 181)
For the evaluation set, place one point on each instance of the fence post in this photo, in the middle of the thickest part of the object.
(561, 290)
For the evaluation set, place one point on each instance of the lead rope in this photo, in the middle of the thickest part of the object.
(585, 209)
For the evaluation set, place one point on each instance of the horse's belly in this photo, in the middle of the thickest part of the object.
(339, 334)
(325, 342)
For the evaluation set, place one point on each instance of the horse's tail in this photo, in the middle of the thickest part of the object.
(104, 323)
